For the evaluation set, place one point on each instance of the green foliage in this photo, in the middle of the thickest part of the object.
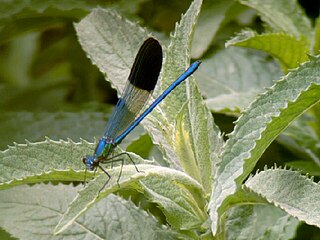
(274, 43)
(200, 182)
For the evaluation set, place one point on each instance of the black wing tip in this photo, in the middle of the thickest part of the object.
(151, 40)
(147, 65)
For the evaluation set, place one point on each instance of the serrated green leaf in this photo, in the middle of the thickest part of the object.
(282, 16)
(197, 151)
(42, 161)
(259, 125)
(309, 168)
(287, 49)
(250, 222)
(18, 126)
(176, 61)
(129, 179)
(292, 192)
(46, 161)
(191, 146)
(32, 213)
(232, 77)
(184, 148)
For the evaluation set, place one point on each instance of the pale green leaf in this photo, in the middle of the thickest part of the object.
(231, 103)
(129, 179)
(42, 161)
(211, 17)
(46, 161)
(232, 77)
(191, 146)
(259, 125)
(177, 57)
(142, 146)
(178, 197)
(251, 222)
(292, 192)
(197, 140)
(111, 42)
(282, 16)
(176, 61)
(33, 212)
(289, 50)
(18, 126)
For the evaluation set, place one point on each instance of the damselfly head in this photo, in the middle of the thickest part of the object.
(89, 162)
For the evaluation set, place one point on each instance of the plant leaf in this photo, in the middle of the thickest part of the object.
(114, 45)
(32, 213)
(42, 161)
(259, 125)
(179, 198)
(129, 179)
(301, 138)
(282, 16)
(305, 167)
(186, 133)
(197, 140)
(212, 15)
(287, 49)
(250, 222)
(292, 192)
(231, 78)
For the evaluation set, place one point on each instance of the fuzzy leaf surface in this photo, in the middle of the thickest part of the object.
(179, 182)
(296, 194)
(289, 50)
(250, 222)
(42, 161)
(259, 125)
(282, 16)
(33, 212)
(232, 77)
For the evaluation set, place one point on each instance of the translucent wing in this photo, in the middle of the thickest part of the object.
(141, 82)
